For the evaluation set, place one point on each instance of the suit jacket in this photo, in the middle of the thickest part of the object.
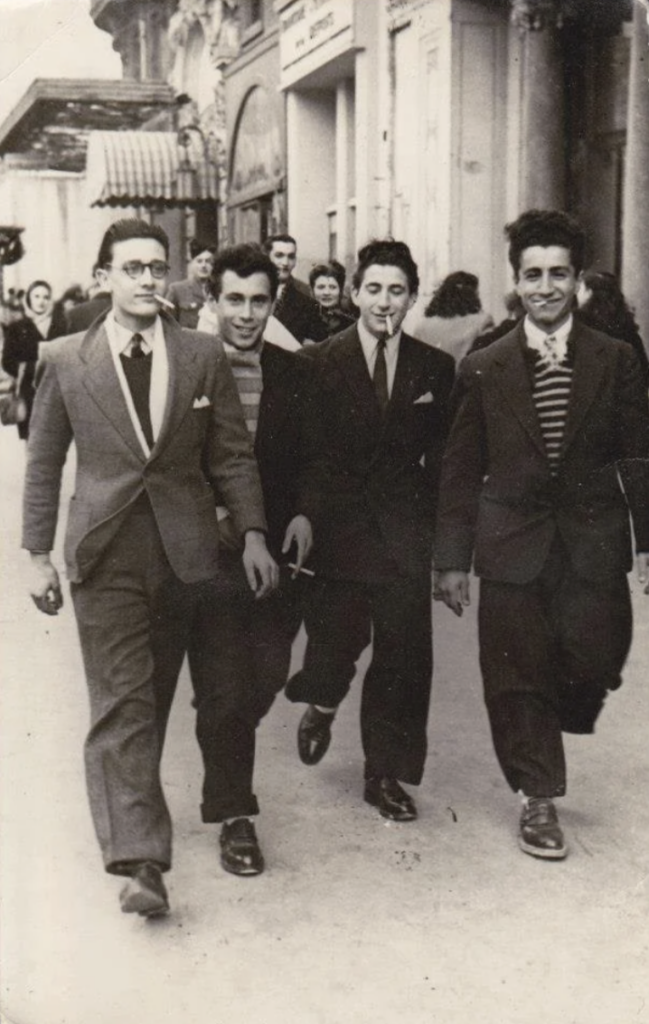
(80, 317)
(300, 315)
(188, 298)
(203, 438)
(498, 499)
(369, 482)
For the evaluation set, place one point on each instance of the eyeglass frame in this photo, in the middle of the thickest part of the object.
(143, 266)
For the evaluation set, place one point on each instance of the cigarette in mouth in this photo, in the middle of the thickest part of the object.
(388, 323)
(163, 302)
(307, 572)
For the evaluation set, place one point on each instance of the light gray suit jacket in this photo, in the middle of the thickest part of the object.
(203, 440)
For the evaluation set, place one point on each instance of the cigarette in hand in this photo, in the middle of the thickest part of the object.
(388, 323)
(163, 302)
(307, 572)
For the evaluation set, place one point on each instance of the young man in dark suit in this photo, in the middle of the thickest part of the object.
(155, 416)
(374, 426)
(294, 307)
(548, 454)
(255, 637)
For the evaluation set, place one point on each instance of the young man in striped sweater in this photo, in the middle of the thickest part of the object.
(548, 455)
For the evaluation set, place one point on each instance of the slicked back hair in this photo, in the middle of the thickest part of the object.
(386, 253)
(545, 228)
(126, 229)
(268, 243)
(243, 260)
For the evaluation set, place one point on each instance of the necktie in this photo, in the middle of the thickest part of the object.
(550, 353)
(380, 376)
(137, 370)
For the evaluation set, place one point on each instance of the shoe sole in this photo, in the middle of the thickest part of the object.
(536, 851)
(145, 904)
(242, 872)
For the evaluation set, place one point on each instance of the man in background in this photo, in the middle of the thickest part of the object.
(294, 308)
(189, 296)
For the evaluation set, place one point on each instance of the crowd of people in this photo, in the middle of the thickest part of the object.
(302, 458)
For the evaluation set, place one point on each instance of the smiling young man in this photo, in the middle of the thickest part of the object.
(253, 654)
(155, 417)
(374, 427)
(549, 419)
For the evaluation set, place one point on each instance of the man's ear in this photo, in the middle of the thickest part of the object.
(353, 294)
(412, 299)
(101, 276)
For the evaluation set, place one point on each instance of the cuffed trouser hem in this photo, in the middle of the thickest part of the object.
(213, 815)
(125, 867)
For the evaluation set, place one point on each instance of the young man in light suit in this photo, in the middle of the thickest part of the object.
(374, 426)
(155, 416)
(550, 418)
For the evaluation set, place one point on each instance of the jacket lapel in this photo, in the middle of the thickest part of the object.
(181, 389)
(349, 357)
(588, 372)
(514, 381)
(406, 380)
(102, 384)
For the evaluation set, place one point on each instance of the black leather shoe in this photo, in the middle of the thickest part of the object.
(240, 853)
(392, 801)
(540, 833)
(314, 735)
(145, 892)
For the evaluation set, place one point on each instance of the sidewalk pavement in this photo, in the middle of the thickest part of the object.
(356, 920)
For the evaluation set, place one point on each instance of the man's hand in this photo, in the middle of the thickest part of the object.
(261, 568)
(44, 585)
(642, 562)
(452, 588)
(298, 532)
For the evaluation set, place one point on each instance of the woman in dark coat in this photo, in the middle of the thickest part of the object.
(327, 281)
(603, 307)
(22, 338)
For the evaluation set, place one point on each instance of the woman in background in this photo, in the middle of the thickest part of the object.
(41, 322)
(603, 307)
(454, 318)
(327, 281)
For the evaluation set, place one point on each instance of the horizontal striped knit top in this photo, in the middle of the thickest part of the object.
(246, 368)
(551, 387)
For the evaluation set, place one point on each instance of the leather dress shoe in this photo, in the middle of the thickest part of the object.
(392, 801)
(314, 735)
(540, 833)
(240, 853)
(145, 892)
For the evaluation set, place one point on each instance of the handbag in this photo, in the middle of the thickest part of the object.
(13, 407)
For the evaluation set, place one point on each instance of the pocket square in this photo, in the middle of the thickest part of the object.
(424, 399)
(201, 403)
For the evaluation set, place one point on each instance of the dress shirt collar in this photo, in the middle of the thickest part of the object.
(120, 337)
(370, 343)
(537, 339)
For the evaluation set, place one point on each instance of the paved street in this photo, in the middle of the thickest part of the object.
(356, 920)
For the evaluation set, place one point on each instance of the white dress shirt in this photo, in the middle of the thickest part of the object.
(119, 340)
(370, 346)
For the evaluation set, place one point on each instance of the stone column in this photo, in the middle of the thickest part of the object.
(635, 224)
(543, 165)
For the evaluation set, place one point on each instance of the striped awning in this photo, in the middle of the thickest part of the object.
(149, 169)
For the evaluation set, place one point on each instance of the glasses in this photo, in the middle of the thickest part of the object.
(135, 268)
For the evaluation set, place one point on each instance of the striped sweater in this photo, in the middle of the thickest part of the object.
(551, 394)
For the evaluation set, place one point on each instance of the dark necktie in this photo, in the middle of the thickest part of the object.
(137, 370)
(380, 376)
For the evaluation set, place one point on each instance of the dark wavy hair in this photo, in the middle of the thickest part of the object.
(126, 229)
(606, 309)
(545, 228)
(243, 260)
(332, 269)
(268, 243)
(457, 295)
(197, 246)
(386, 253)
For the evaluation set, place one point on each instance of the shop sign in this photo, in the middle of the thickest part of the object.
(307, 24)
(257, 166)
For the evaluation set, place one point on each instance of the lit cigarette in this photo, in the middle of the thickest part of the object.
(163, 302)
(388, 323)
(307, 572)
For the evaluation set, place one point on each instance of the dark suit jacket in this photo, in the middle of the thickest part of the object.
(369, 483)
(203, 439)
(188, 298)
(300, 315)
(498, 500)
(80, 317)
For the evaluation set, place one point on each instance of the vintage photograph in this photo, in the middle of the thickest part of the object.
(324, 517)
